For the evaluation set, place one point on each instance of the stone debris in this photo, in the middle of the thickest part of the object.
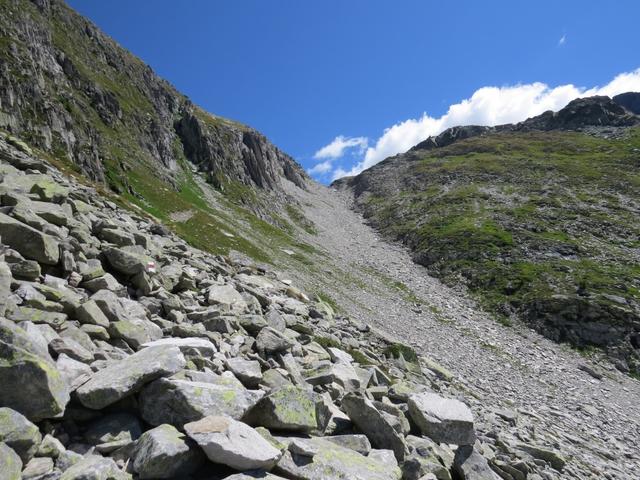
(205, 366)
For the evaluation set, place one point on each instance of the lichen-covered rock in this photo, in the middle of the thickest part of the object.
(176, 401)
(374, 424)
(128, 376)
(165, 452)
(325, 460)
(232, 443)
(30, 382)
(289, 408)
(10, 463)
(19, 433)
(442, 419)
(31, 243)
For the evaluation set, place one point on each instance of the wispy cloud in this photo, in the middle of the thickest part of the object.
(487, 106)
(563, 40)
(339, 145)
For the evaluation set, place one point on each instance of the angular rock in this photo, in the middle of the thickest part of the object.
(5, 286)
(442, 419)
(165, 452)
(128, 260)
(10, 463)
(50, 447)
(136, 331)
(177, 401)
(30, 382)
(186, 345)
(359, 443)
(19, 434)
(232, 443)
(468, 464)
(247, 371)
(333, 462)
(31, 243)
(89, 312)
(73, 372)
(272, 341)
(290, 408)
(225, 295)
(37, 468)
(94, 467)
(128, 376)
(374, 425)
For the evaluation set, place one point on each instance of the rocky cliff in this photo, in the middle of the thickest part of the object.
(71, 90)
(539, 219)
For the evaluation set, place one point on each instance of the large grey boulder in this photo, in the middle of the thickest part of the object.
(128, 376)
(93, 467)
(89, 312)
(135, 331)
(19, 433)
(289, 408)
(232, 443)
(444, 420)
(177, 401)
(73, 372)
(226, 296)
(468, 464)
(128, 260)
(272, 341)
(10, 463)
(247, 371)
(165, 452)
(30, 382)
(374, 425)
(319, 459)
(31, 243)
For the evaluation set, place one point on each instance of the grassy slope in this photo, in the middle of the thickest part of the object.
(523, 217)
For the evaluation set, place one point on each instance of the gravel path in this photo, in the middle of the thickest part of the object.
(594, 423)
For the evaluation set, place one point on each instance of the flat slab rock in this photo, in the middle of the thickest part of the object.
(201, 345)
(127, 376)
(444, 420)
(232, 443)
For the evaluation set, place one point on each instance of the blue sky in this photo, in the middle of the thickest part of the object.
(340, 73)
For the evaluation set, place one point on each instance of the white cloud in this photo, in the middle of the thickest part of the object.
(563, 40)
(487, 106)
(339, 145)
(321, 168)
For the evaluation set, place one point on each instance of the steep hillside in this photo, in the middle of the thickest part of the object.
(69, 89)
(541, 222)
(94, 109)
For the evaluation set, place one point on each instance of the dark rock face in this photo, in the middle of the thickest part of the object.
(69, 89)
(630, 101)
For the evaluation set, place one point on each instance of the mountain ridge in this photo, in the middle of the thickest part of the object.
(98, 105)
